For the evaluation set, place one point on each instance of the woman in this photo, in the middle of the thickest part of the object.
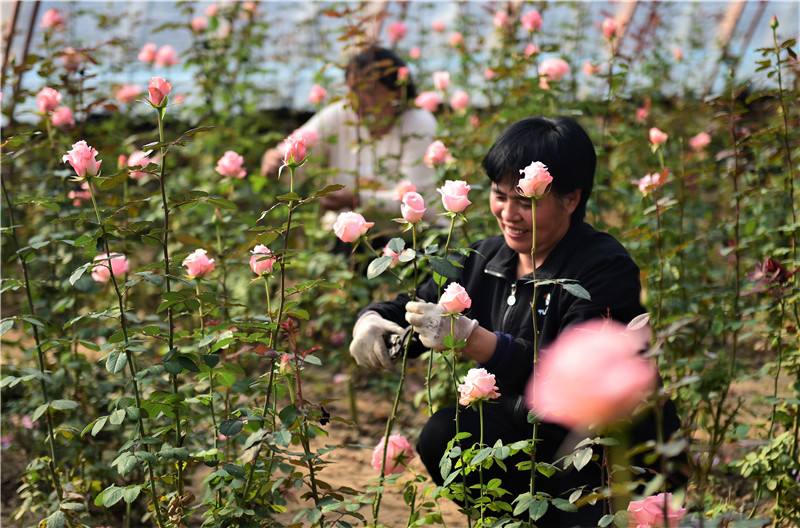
(498, 328)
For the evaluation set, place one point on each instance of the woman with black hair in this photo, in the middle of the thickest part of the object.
(372, 139)
(498, 329)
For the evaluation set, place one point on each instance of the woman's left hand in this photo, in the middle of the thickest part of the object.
(432, 324)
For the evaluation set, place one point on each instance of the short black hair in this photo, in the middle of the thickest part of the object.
(387, 63)
(561, 143)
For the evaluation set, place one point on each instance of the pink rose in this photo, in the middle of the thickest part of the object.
(396, 31)
(159, 90)
(402, 71)
(212, 10)
(455, 39)
(82, 159)
(530, 49)
(455, 299)
(609, 28)
(317, 94)
(127, 93)
(310, 136)
(250, 7)
(349, 226)
(263, 260)
(500, 19)
(488, 74)
(428, 100)
(454, 195)
(652, 182)
(138, 159)
(62, 117)
(438, 26)
(414, 53)
(700, 141)
(532, 21)
(641, 114)
(478, 384)
(657, 137)
(389, 252)
(553, 69)
(101, 271)
(398, 453)
(166, 56)
(199, 24)
(649, 512)
(148, 53)
(413, 207)
(592, 374)
(459, 100)
(52, 19)
(677, 52)
(198, 265)
(230, 165)
(441, 80)
(72, 58)
(48, 99)
(588, 69)
(535, 180)
(294, 149)
(436, 154)
(402, 188)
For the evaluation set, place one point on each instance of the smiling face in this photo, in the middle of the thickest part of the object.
(513, 213)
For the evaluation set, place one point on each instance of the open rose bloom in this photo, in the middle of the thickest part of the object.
(198, 265)
(593, 374)
(649, 512)
(263, 260)
(230, 165)
(48, 99)
(455, 299)
(82, 157)
(535, 180)
(413, 207)
(478, 384)
(350, 226)
(454, 195)
(437, 154)
(430, 101)
(118, 264)
(398, 453)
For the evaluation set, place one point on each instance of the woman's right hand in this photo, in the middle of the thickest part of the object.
(368, 346)
(271, 161)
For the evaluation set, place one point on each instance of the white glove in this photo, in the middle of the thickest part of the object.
(368, 346)
(432, 324)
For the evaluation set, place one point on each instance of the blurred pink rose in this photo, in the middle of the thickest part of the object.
(436, 154)
(454, 195)
(78, 197)
(398, 453)
(530, 49)
(148, 53)
(198, 265)
(459, 100)
(478, 384)
(649, 512)
(592, 374)
(413, 207)
(122, 161)
(250, 7)
(455, 39)
(474, 121)
(82, 159)
(500, 19)
(166, 56)
(396, 31)
(101, 271)
(127, 93)
(652, 182)
(350, 226)
(230, 165)
(199, 24)
(641, 114)
(441, 80)
(415, 53)
(138, 159)
(263, 260)
(310, 136)
(212, 10)
(388, 252)
(535, 180)
(677, 52)
(455, 299)
(53, 19)
(402, 71)
(428, 100)
(62, 117)
(588, 69)
(48, 99)
(317, 94)
(657, 137)
(402, 188)
(610, 28)
(553, 69)
(294, 149)
(488, 74)
(72, 58)
(532, 21)
(438, 26)
(700, 141)
(159, 90)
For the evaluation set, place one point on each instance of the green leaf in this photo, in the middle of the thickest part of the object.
(99, 424)
(230, 427)
(564, 505)
(130, 493)
(582, 457)
(577, 290)
(188, 364)
(444, 267)
(378, 266)
(78, 273)
(57, 519)
(537, 509)
(111, 495)
(524, 502)
(482, 455)
(397, 244)
(112, 181)
(605, 520)
(40, 410)
(64, 405)
(6, 325)
(211, 360)
(173, 367)
(117, 417)
(288, 416)
(234, 470)
(116, 362)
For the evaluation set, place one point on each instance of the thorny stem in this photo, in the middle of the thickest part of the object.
(535, 431)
